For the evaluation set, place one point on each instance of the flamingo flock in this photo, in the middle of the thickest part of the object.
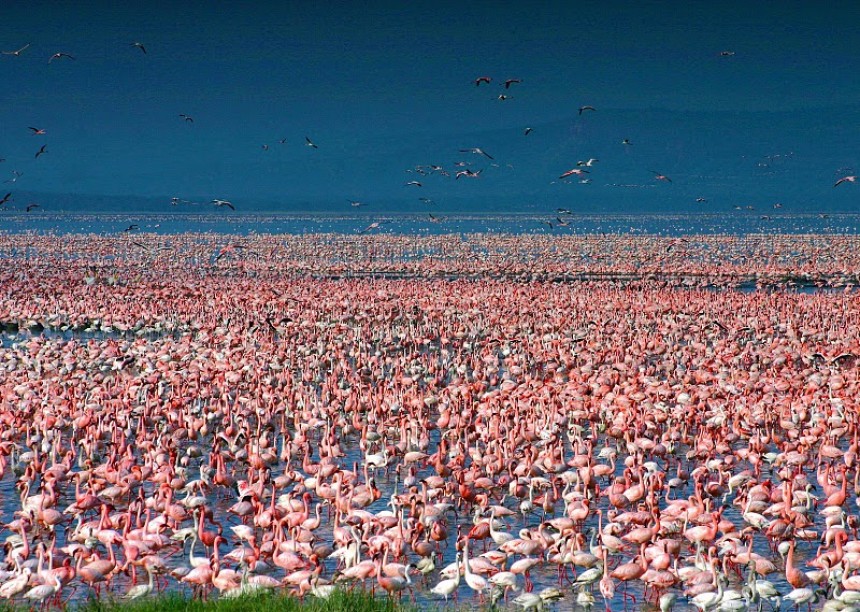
(176, 419)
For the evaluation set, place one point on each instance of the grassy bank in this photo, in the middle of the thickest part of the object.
(340, 601)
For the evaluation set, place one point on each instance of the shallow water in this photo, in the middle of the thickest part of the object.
(544, 575)
(659, 224)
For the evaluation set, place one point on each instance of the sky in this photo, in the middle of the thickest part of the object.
(383, 87)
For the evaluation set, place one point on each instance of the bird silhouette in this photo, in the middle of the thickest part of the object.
(18, 52)
(58, 56)
(477, 151)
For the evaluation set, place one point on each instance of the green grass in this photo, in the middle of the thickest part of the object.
(340, 601)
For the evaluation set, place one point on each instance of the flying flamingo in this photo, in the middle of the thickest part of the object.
(58, 56)
(18, 52)
(571, 172)
(221, 203)
(477, 151)
(846, 179)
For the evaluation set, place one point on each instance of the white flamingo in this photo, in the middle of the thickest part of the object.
(449, 585)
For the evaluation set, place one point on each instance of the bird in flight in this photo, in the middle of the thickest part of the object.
(549, 223)
(413, 183)
(6, 198)
(477, 151)
(701, 200)
(527, 131)
(42, 149)
(562, 223)
(31, 206)
(726, 53)
(660, 177)
(436, 219)
(582, 109)
(37, 131)
(563, 211)
(845, 179)
(220, 203)
(510, 82)
(18, 52)
(589, 162)
(232, 248)
(354, 203)
(131, 228)
(188, 118)
(283, 141)
(265, 147)
(482, 79)
(58, 56)
(572, 172)
(626, 141)
(503, 97)
(139, 46)
(467, 173)
(372, 226)
(310, 144)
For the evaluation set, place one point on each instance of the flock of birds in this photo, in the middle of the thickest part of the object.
(463, 170)
(533, 416)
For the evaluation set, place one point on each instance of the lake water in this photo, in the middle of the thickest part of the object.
(659, 224)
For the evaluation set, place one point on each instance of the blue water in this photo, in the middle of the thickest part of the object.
(659, 224)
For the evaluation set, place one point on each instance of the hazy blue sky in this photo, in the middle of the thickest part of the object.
(382, 87)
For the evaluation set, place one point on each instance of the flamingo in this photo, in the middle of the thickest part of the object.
(573, 171)
(39, 594)
(449, 585)
(141, 590)
(58, 55)
(476, 583)
(17, 52)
